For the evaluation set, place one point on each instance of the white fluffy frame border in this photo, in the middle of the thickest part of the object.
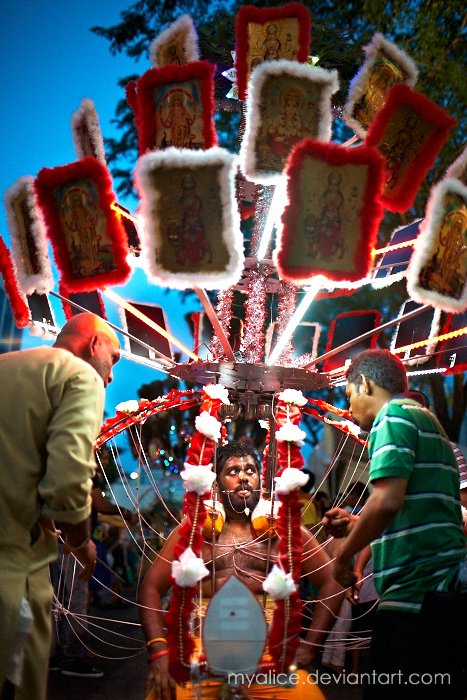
(422, 252)
(458, 169)
(27, 284)
(326, 78)
(182, 24)
(231, 233)
(378, 43)
(430, 347)
(86, 113)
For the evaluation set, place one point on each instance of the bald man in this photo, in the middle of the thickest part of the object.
(50, 414)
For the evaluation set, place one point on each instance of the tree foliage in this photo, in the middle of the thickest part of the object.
(432, 32)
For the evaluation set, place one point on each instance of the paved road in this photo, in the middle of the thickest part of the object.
(120, 643)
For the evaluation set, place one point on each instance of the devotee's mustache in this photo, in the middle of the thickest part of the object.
(241, 488)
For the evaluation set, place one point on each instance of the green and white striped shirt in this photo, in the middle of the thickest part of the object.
(422, 547)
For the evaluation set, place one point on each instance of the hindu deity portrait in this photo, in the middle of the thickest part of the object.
(446, 270)
(288, 115)
(382, 77)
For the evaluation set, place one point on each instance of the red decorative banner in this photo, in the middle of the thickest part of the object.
(174, 106)
(409, 132)
(332, 218)
(88, 239)
(268, 35)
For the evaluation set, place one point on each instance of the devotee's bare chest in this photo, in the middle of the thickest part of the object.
(239, 552)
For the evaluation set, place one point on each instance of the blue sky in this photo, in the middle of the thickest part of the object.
(50, 61)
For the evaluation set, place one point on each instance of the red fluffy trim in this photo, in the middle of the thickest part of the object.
(147, 112)
(401, 94)
(332, 328)
(371, 211)
(47, 182)
(247, 14)
(18, 306)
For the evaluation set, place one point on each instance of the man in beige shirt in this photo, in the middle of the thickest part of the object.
(50, 413)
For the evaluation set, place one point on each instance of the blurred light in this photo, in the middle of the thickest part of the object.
(134, 475)
(278, 202)
(299, 313)
(389, 248)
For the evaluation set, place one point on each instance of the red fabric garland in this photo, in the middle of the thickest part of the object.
(179, 640)
(284, 635)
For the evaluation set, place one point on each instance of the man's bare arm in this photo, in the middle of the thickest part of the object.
(386, 500)
(155, 585)
(317, 566)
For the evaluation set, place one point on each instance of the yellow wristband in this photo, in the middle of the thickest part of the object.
(158, 639)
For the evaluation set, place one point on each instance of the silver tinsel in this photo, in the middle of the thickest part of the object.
(286, 307)
(252, 347)
(224, 314)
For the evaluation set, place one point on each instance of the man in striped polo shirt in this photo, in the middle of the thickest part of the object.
(413, 520)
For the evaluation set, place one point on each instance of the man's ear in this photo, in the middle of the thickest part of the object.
(366, 385)
(92, 344)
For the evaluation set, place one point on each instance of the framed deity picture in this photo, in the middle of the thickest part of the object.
(269, 34)
(192, 231)
(86, 131)
(409, 132)
(88, 239)
(437, 273)
(175, 107)
(28, 238)
(287, 102)
(385, 65)
(176, 45)
(331, 220)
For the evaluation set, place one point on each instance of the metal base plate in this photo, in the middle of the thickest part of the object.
(243, 376)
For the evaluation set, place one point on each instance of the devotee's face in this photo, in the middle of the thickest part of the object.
(361, 406)
(239, 484)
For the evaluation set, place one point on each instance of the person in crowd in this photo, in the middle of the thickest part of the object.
(240, 552)
(356, 497)
(413, 521)
(50, 414)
